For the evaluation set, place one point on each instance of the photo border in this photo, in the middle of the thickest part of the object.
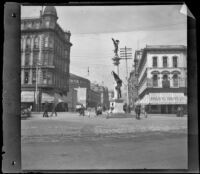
(11, 87)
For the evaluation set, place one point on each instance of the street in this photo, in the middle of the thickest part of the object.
(70, 141)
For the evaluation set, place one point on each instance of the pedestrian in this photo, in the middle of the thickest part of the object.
(54, 110)
(145, 111)
(45, 114)
(139, 111)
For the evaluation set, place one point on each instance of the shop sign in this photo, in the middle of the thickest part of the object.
(27, 96)
(167, 98)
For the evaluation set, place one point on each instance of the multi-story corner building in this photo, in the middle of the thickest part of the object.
(162, 78)
(45, 59)
(104, 100)
(132, 88)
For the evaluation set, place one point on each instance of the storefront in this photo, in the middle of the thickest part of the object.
(57, 99)
(165, 103)
(27, 99)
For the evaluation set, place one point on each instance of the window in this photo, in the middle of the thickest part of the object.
(165, 82)
(28, 42)
(29, 25)
(22, 26)
(27, 59)
(47, 23)
(36, 42)
(164, 61)
(35, 58)
(50, 42)
(155, 80)
(155, 62)
(44, 73)
(175, 80)
(26, 77)
(49, 78)
(46, 39)
(33, 77)
(45, 59)
(175, 62)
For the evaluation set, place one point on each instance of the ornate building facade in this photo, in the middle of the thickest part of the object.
(45, 59)
(162, 78)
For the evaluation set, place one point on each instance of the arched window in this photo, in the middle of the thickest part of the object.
(155, 80)
(27, 59)
(28, 42)
(36, 42)
(51, 42)
(165, 82)
(175, 80)
(46, 39)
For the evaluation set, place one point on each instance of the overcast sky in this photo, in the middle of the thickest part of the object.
(92, 28)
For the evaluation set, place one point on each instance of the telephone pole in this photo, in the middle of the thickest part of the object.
(126, 53)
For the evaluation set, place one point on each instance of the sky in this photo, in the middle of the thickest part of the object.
(92, 28)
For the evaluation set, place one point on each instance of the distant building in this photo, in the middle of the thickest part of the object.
(132, 88)
(162, 78)
(104, 100)
(45, 59)
(79, 89)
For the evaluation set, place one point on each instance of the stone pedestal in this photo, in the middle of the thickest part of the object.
(118, 105)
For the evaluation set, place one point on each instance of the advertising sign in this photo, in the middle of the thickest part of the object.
(47, 98)
(167, 98)
(82, 95)
(27, 96)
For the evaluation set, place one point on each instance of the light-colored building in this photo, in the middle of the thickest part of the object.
(79, 89)
(162, 78)
(45, 59)
(132, 88)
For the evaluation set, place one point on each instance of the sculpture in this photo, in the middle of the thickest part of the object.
(116, 43)
(119, 84)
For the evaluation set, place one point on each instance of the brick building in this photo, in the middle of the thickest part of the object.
(45, 60)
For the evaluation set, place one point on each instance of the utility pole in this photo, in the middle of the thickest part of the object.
(36, 84)
(126, 53)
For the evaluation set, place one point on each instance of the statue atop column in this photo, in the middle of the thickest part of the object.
(118, 84)
(116, 43)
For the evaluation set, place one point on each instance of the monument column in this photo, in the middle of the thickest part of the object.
(117, 101)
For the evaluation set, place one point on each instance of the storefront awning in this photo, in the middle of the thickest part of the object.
(167, 99)
(163, 99)
(27, 96)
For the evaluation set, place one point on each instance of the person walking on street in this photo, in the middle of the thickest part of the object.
(139, 111)
(54, 110)
(136, 111)
(45, 114)
(145, 111)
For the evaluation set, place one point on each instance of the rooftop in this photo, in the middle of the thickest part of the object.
(165, 47)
